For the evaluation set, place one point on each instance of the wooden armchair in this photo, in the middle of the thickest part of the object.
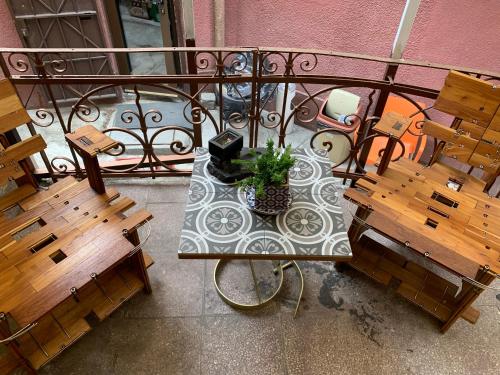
(439, 213)
(68, 255)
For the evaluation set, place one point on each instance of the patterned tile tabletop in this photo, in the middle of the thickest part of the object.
(218, 224)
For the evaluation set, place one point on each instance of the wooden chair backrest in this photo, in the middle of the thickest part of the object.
(12, 115)
(475, 140)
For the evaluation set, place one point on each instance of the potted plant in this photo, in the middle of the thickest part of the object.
(267, 189)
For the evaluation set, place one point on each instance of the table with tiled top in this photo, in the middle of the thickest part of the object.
(219, 225)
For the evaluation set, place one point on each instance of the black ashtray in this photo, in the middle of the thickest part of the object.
(223, 148)
(226, 145)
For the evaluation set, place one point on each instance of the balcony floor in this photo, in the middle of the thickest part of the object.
(346, 323)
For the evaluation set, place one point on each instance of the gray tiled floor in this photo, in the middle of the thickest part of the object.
(346, 325)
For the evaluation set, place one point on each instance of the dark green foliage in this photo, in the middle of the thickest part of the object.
(270, 168)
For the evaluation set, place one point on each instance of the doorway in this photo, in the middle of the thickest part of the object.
(65, 24)
(143, 24)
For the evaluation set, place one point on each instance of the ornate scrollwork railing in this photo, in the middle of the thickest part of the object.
(247, 76)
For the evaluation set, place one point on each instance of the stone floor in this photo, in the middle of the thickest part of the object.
(346, 324)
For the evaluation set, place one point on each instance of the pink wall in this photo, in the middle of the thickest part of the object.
(463, 33)
(349, 26)
(10, 38)
(204, 22)
(457, 32)
(362, 27)
(8, 33)
(446, 31)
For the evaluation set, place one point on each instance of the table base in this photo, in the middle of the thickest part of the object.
(278, 270)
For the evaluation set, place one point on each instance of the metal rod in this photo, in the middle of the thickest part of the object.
(443, 301)
(74, 293)
(222, 124)
(255, 283)
(257, 100)
(60, 326)
(236, 304)
(55, 15)
(193, 89)
(389, 75)
(93, 276)
(199, 79)
(40, 346)
(253, 106)
(125, 281)
(427, 273)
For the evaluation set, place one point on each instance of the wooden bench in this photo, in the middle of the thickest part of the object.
(69, 256)
(437, 212)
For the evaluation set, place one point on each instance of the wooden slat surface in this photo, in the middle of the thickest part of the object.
(82, 224)
(476, 141)
(12, 112)
(492, 136)
(57, 239)
(458, 146)
(439, 212)
(25, 148)
(16, 195)
(495, 121)
(475, 131)
(468, 98)
(9, 157)
(485, 163)
(43, 195)
(466, 236)
(120, 284)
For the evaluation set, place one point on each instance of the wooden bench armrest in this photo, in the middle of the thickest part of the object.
(393, 124)
(89, 142)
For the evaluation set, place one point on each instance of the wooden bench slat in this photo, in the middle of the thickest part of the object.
(43, 195)
(13, 197)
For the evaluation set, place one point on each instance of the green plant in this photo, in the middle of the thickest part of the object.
(269, 168)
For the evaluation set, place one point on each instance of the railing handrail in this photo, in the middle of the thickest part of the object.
(349, 55)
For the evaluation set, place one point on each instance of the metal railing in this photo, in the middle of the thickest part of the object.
(251, 74)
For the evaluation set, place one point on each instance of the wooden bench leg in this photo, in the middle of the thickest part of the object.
(356, 229)
(470, 294)
(12, 347)
(138, 260)
(354, 234)
(141, 264)
(93, 172)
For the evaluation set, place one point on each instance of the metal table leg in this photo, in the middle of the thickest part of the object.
(288, 264)
(278, 270)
